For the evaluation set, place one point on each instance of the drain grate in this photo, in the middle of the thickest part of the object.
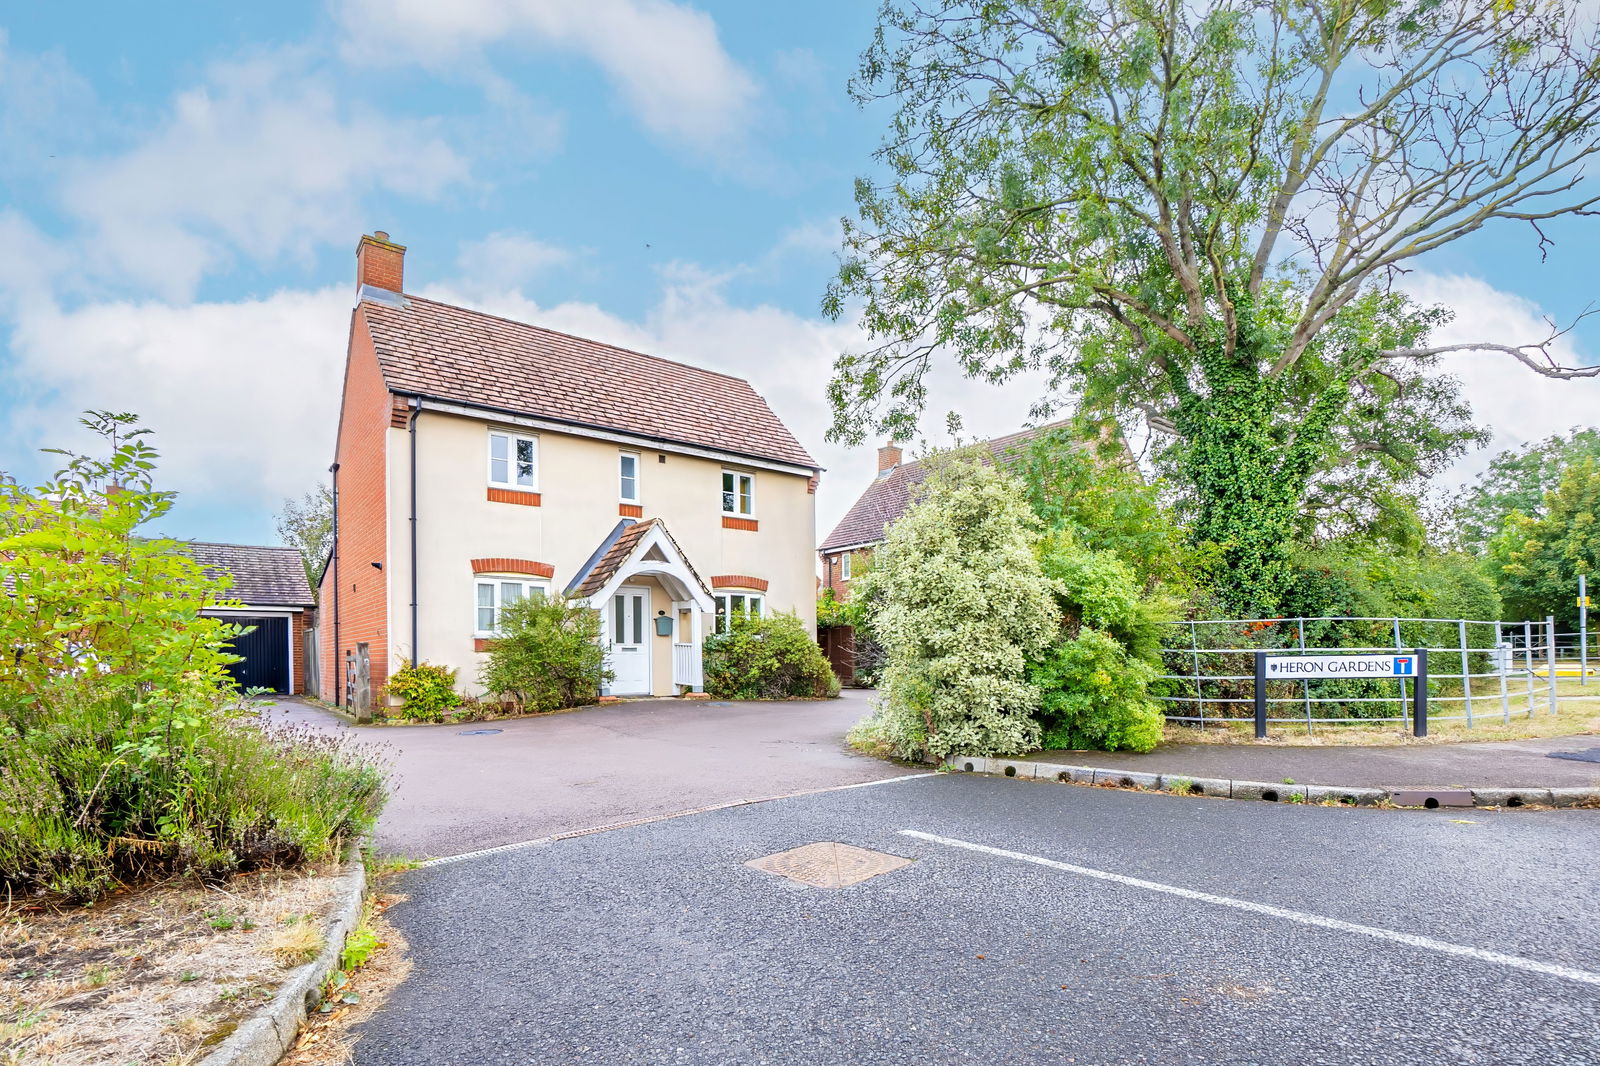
(477, 732)
(1586, 755)
(826, 864)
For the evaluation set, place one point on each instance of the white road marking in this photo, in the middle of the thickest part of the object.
(647, 819)
(1516, 962)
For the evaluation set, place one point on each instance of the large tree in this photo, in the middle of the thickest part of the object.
(1517, 479)
(306, 525)
(1193, 213)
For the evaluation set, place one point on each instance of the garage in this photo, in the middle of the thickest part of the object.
(272, 599)
(264, 653)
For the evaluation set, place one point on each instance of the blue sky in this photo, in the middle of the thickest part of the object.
(182, 186)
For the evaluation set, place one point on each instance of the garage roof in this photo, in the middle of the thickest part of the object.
(262, 576)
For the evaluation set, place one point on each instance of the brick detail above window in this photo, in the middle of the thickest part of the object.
(512, 566)
(527, 499)
(729, 522)
(739, 581)
(482, 643)
(630, 510)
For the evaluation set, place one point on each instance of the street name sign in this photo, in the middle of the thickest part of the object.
(1309, 666)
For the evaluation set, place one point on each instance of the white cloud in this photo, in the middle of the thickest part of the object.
(664, 58)
(243, 396)
(506, 259)
(261, 161)
(1519, 405)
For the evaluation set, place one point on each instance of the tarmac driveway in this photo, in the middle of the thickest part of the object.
(537, 777)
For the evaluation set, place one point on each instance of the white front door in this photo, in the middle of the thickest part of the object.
(630, 643)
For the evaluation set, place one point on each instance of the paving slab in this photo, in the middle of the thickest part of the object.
(1498, 764)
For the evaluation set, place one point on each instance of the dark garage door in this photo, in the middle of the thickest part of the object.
(265, 653)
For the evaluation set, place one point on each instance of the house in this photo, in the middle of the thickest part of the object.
(849, 547)
(277, 606)
(480, 460)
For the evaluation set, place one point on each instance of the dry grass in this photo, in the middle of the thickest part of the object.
(297, 943)
(329, 1039)
(1579, 713)
(154, 977)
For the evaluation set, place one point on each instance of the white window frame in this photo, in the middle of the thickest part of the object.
(844, 566)
(638, 471)
(724, 607)
(495, 584)
(512, 440)
(740, 478)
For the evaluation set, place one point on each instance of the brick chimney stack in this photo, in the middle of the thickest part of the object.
(380, 263)
(888, 457)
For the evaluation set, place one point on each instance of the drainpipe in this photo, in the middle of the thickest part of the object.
(338, 670)
(411, 427)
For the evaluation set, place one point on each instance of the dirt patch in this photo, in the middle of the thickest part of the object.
(153, 977)
(329, 1038)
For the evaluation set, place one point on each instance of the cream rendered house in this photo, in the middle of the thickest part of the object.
(481, 460)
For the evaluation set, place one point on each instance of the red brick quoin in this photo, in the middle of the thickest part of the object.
(512, 566)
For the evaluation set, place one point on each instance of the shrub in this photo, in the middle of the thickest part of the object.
(547, 655)
(426, 691)
(770, 658)
(122, 753)
(91, 796)
(960, 605)
(1094, 680)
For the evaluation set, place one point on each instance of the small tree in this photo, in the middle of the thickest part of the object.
(960, 605)
(90, 603)
(1543, 557)
(547, 655)
(306, 525)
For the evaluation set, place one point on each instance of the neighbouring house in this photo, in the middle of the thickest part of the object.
(277, 606)
(849, 547)
(480, 460)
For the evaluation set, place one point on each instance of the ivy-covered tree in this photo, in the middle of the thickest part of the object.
(1517, 479)
(1192, 213)
(1539, 559)
(960, 605)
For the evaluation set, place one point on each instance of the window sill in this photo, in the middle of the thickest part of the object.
(730, 522)
(527, 499)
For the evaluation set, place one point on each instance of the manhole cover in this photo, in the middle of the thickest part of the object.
(828, 865)
(1586, 755)
(477, 732)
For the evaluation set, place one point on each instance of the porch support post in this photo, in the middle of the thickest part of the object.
(697, 631)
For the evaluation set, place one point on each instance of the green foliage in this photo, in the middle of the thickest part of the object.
(1542, 557)
(1133, 199)
(960, 605)
(1095, 678)
(1517, 480)
(88, 802)
(306, 525)
(832, 611)
(426, 691)
(547, 655)
(770, 657)
(97, 607)
(1097, 496)
(121, 754)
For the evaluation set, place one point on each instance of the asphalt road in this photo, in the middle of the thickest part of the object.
(455, 793)
(656, 944)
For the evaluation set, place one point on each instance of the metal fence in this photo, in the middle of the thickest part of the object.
(1477, 670)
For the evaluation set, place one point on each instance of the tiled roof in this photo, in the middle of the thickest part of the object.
(262, 577)
(451, 353)
(887, 498)
(616, 550)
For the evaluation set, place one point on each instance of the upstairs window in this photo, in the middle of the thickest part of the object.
(732, 605)
(844, 567)
(513, 461)
(495, 594)
(738, 493)
(628, 477)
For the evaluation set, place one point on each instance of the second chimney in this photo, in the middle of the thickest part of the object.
(888, 457)
(380, 263)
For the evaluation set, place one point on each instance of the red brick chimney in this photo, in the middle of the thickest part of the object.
(380, 263)
(888, 457)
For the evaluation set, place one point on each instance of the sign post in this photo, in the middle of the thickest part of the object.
(1411, 666)
(1583, 629)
